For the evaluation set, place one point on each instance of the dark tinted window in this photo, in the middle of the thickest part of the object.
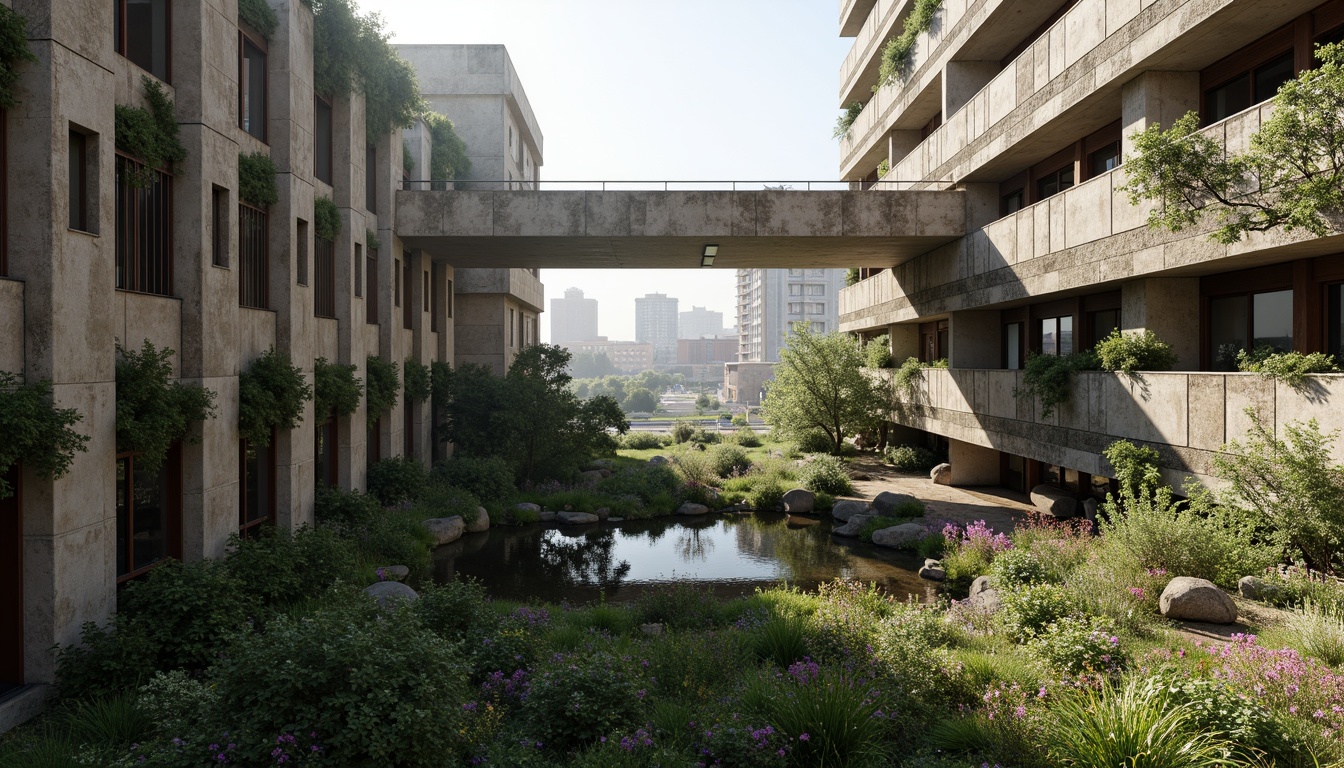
(1227, 99)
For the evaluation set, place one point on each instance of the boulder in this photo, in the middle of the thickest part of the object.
(799, 501)
(854, 526)
(692, 509)
(1254, 588)
(1090, 510)
(546, 516)
(591, 477)
(482, 522)
(984, 597)
(445, 530)
(1054, 502)
(843, 510)
(887, 502)
(899, 536)
(392, 572)
(527, 507)
(941, 474)
(387, 593)
(1197, 600)
(603, 513)
(932, 570)
(575, 518)
(656, 460)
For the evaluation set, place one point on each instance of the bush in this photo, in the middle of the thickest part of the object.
(486, 478)
(781, 640)
(1292, 368)
(281, 568)
(396, 480)
(766, 495)
(188, 611)
(705, 437)
(371, 684)
(815, 441)
(969, 552)
(878, 352)
(910, 458)
(439, 500)
(823, 502)
(825, 474)
(341, 507)
(649, 483)
(740, 420)
(456, 610)
(747, 438)
(643, 441)
(1028, 611)
(1016, 568)
(1130, 352)
(576, 699)
(1075, 647)
(682, 432)
(1317, 631)
(1050, 378)
(395, 537)
(678, 606)
(729, 460)
(835, 711)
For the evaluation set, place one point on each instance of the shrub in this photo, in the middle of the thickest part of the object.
(642, 441)
(1050, 378)
(737, 743)
(439, 500)
(335, 389)
(486, 478)
(648, 483)
(1215, 706)
(341, 507)
(969, 552)
(280, 567)
(1317, 631)
(740, 420)
(910, 458)
(153, 409)
(456, 610)
(747, 437)
(878, 352)
(826, 474)
(823, 502)
(576, 699)
(781, 640)
(729, 460)
(1016, 568)
(373, 689)
(846, 618)
(271, 394)
(815, 441)
(179, 702)
(836, 712)
(1028, 611)
(395, 537)
(1292, 368)
(877, 524)
(766, 495)
(1130, 352)
(705, 437)
(396, 480)
(1075, 646)
(678, 606)
(682, 432)
(36, 431)
(188, 611)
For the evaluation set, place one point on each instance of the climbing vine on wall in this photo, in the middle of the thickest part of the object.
(259, 15)
(153, 410)
(448, 153)
(327, 218)
(256, 179)
(382, 383)
(150, 135)
(896, 53)
(14, 51)
(271, 394)
(335, 388)
(416, 379)
(350, 51)
(35, 431)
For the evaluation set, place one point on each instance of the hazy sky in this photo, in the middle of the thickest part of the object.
(653, 90)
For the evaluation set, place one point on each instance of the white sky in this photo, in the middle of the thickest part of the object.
(654, 90)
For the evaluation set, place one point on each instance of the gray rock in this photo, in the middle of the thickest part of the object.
(393, 572)
(1254, 588)
(901, 536)
(1054, 502)
(482, 522)
(886, 501)
(603, 513)
(575, 518)
(799, 501)
(1197, 600)
(941, 474)
(546, 516)
(603, 464)
(692, 509)
(526, 507)
(1090, 510)
(854, 526)
(932, 570)
(615, 519)
(843, 510)
(445, 530)
(980, 584)
(657, 460)
(799, 521)
(591, 477)
(651, 629)
(388, 593)
(984, 597)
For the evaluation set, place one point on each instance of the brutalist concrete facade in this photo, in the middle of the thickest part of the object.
(64, 304)
(1030, 109)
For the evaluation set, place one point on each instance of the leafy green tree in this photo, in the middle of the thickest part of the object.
(640, 400)
(1292, 176)
(820, 385)
(591, 365)
(35, 430)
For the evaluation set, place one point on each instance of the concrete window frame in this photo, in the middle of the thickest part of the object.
(250, 519)
(324, 278)
(126, 44)
(144, 230)
(254, 257)
(128, 565)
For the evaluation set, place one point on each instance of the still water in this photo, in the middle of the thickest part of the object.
(731, 555)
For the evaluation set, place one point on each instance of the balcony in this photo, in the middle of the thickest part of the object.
(858, 72)
(852, 15)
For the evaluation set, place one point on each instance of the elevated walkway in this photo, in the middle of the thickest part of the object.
(665, 228)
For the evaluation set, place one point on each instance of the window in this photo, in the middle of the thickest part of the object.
(450, 298)
(252, 88)
(1102, 323)
(816, 290)
(11, 583)
(357, 269)
(325, 439)
(144, 239)
(1335, 317)
(795, 273)
(149, 513)
(254, 260)
(1247, 88)
(428, 298)
(1012, 202)
(219, 226)
(795, 308)
(141, 34)
(1057, 335)
(933, 341)
(432, 288)
(408, 427)
(79, 185)
(407, 306)
(371, 279)
(1105, 159)
(324, 270)
(1265, 319)
(1012, 346)
(373, 452)
(301, 259)
(512, 313)
(256, 487)
(816, 308)
(1054, 182)
(371, 178)
(322, 139)
(818, 327)
(816, 273)
(795, 290)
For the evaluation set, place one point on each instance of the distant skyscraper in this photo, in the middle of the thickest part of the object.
(699, 323)
(770, 301)
(656, 323)
(573, 318)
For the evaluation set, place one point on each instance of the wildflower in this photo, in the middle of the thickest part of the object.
(804, 737)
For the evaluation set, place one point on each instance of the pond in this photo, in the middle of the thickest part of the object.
(730, 555)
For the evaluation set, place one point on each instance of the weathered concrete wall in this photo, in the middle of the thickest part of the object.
(973, 464)
(11, 316)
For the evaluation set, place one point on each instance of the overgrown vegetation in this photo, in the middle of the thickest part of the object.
(14, 51)
(878, 352)
(908, 375)
(1292, 368)
(896, 53)
(336, 389)
(149, 135)
(910, 458)
(844, 124)
(326, 218)
(448, 153)
(380, 383)
(351, 52)
(1130, 352)
(259, 15)
(256, 179)
(154, 410)
(271, 394)
(416, 380)
(37, 433)
(1049, 378)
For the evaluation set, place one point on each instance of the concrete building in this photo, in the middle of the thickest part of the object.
(1032, 109)
(744, 382)
(771, 301)
(706, 351)
(700, 323)
(477, 88)
(625, 356)
(573, 318)
(656, 324)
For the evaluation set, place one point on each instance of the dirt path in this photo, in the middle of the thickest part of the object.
(1000, 509)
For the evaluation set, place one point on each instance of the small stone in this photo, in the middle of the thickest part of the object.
(575, 518)
(387, 593)
(847, 508)
(1054, 502)
(692, 509)
(800, 501)
(615, 519)
(854, 526)
(941, 474)
(887, 502)
(861, 476)
(1192, 599)
(901, 536)
(602, 513)
(546, 516)
(932, 570)
(658, 460)
(1254, 588)
(445, 530)
(984, 597)
(392, 572)
(482, 522)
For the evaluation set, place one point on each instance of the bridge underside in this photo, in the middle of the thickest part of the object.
(660, 230)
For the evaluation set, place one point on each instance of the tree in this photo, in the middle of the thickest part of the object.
(591, 365)
(820, 385)
(1292, 176)
(640, 400)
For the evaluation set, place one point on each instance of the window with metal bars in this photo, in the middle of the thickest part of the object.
(324, 267)
(254, 258)
(144, 236)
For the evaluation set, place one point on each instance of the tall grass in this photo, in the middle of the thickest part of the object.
(832, 719)
(780, 640)
(1316, 631)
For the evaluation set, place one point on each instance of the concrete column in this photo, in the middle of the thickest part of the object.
(1169, 307)
(1155, 97)
(904, 341)
(962, 80)
(900, 144)
(972, 464)
(975, 338)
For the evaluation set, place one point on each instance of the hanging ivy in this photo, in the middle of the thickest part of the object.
(381, 386)
(150, 135)
(845, 122)
(153, 410)
(416, 378)
(259, 15)
(14, 51)
(327, 217)
(407, 159)
(271, 394)
(371, 240)
(335, 388)
(256, 180)
(896, 54)
(350, 51)
(35, 431)
(448, 153)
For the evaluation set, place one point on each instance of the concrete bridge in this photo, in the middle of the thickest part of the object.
(602, 228)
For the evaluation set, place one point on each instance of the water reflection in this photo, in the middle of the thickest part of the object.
(732, 555)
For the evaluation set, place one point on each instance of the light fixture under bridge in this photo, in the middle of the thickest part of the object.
(707, 256)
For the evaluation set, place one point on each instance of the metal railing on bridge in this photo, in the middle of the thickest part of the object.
(679, 185)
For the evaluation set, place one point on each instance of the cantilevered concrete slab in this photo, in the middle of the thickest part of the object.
(629, 229)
